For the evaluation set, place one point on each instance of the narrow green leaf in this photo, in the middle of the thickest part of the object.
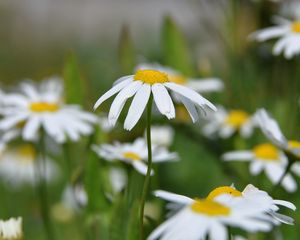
(175, 49)
(74, 84)
(126, 51)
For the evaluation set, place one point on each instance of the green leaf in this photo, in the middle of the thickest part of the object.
(126, 52)
(133, 221)
(74, 84)
(175, 49)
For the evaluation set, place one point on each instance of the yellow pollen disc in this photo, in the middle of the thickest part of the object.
(151, 76)
(210, 208)
(179, 79)
(294, 144)
(236, 118)
(223, 190)
(27, 152)
(132, 156)
(267, 152)
(43, 107)
(296, 27)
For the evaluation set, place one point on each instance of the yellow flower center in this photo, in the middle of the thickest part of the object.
(296, 27)
(236, 118)
(44, 107)
(223, 190)
(266, 152)
(209, 207)
(294, 144)
(27, 153)
(132, 156)
(151, 76)
(179, 79)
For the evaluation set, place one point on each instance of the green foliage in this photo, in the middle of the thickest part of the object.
(176, 53)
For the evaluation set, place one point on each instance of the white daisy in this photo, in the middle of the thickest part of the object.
(144, 84)
(199, 218)
(266, 157)
(162, 135)
(41, 106)
(258, 199)
(18, 166)
(135, 153)
(271, 130)
(11, 229)
(197, 84)
(288, 33)
(225, 123)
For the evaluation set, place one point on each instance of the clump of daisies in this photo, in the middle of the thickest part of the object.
(41, 106)
(251, 210)
(11, 229)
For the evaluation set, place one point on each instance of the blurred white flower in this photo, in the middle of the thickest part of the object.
(288, 33)
(104, 124)
(135, 153)
(197, 84)
(74, 197)
(162, 135)
(266, 157)
(271, 130)
(118, 179)
(18, 166)
(255, 198)
(225, 123)
(41, 106)
(11, 229)
(142, 85)
(198, 218)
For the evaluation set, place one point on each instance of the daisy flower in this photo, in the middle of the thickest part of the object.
(144, 84)
(271, 130)
(225, 123)
(11, 229)
(18, 166)
(197, 84)
(258, 199)
(135, 153)
(198, 218)
(288, 33)
(41, 106)
(268, 158)
(162, 135)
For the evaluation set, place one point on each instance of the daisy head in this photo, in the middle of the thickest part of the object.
(288, 34)
(272, 131)
(198, 218)
(40, 106)
(135, 153)
(142, 86)
(18, 165)
(197, 84)
(11, 229)
(225, 123)
(256, 199)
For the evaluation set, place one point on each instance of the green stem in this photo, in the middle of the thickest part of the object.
(147, 178)
(42, 187)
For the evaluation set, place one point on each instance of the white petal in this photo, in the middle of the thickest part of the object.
(12, 120)
(172, 197)
(141, 167)
(238, 155)
(289, 183)
(115, 89)
(163, 100)
(282, 218)
(120, 100)
(190, 94)
(256, 167)
(206, 85)
(190, 107)
(31, 128)
(269, 33)
(137, 106)
(217, 231)
(285, 204)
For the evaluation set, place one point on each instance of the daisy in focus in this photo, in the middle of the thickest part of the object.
(225, 123)
(288, 33)
(142, 86)
(199, 85)
(260, 200)
(40, 106)
(135, 153)
(11, 229)
(272, 131)
(201, 218)
(18, 166)
(268, 158)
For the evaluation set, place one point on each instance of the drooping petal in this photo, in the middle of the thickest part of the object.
(31, 128)
(163, 100)
(172, 197)
(238, 155)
